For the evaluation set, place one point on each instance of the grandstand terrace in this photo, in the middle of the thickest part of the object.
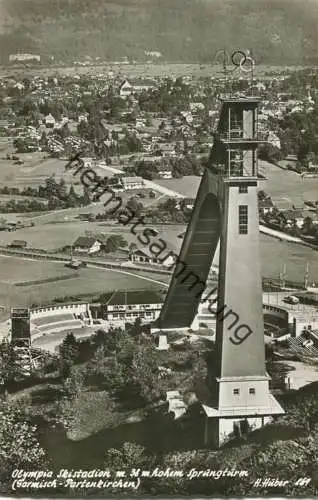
(58, 318)
(297, 344)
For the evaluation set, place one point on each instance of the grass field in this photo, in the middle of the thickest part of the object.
(4, 198)
(287, 185)
(53, 236)
(90, 281)
(50, 236)
(280, 184)
(36, 168)
(13, 270)
(274, 253)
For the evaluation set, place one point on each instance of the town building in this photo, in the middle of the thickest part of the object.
(18, 244)
(135, 86)
(186, 203)
(144, 256)
(165, 172)
(21, 57)
(119, 306)
(292, 217)
(266, 206)
(132, 182)
(273, 139)
(87, 244)
(167, 149)
(49, 121)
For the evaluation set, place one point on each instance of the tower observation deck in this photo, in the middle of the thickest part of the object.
(226, 213)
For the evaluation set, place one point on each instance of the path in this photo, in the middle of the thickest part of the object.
(148, 184)
(280, 235)
(302, 374)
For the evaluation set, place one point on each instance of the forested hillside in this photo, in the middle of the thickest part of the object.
(280, 31)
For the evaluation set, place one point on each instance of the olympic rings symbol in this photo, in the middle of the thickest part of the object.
(241, 60)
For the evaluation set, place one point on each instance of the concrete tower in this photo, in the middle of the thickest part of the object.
(226, 210)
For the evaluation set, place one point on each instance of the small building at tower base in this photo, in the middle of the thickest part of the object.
(228, 419)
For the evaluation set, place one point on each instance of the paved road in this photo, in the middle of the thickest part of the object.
(50, 341)
(277, 299)
(280, 235)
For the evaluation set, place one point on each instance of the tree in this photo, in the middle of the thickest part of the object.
(303, 413)
(130, 455)
(170, 205)
(19, 445)
(72, 191)
(69, 351)
(294, 230)
(132, 247)
(136, 329)
(261, 195)
(51, 186)
(152, 194)
(135, 206)
(83, 130)
(73, 385)
(113, 243)
(54, 203)
(270, 153)
(63, 132)
(283, 456)
(144, 374)
(126, 458)
(112, 341)
(86, 197)
(308, 226)
(62, 189)
(8, 368)
(20, 145)
(72, 198)
(106, 370)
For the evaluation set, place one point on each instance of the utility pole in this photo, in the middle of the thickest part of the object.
(306, 276)
(283, 277)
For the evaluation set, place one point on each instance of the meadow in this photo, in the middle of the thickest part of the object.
(274, 253)
(50, 236)
(37, 167)
(90, 281)
(14, 270)
(280, 184)
(53, 235)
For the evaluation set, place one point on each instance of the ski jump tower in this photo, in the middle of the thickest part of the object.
(226, 212)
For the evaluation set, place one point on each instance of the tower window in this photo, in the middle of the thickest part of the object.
(236, 163)
(252, 390)
(243, 219)
(243, 189)
(236, 391)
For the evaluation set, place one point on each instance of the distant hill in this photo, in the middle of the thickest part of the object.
(278, 31)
